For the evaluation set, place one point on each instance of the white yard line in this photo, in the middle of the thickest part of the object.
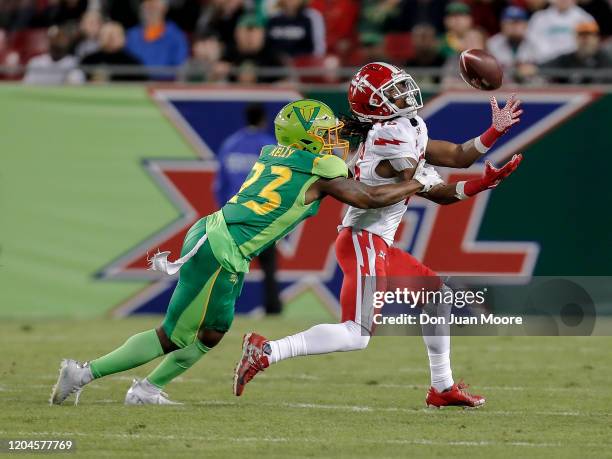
(371, 409)
(481, 412)
(470, 443)
(337, 407)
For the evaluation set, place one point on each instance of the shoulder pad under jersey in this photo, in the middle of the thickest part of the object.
(329, 166)
(395, 139)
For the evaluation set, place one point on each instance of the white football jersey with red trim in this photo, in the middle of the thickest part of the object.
(398, 138)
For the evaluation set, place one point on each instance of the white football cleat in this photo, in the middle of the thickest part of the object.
(72, 378)
(145, 393)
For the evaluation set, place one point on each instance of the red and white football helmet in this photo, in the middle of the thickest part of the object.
(376, 87)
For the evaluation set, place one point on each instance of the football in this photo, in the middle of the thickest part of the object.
(480, 70)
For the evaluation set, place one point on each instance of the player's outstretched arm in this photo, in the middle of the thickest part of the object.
(448, 154)
(364, 196)
(448, 193)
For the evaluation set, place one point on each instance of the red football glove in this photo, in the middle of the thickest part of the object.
(502, 120)
(492, 176)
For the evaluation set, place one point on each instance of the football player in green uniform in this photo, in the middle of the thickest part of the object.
(285, 186)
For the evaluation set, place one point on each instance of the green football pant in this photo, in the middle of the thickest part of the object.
(203, 298)
(205, 294)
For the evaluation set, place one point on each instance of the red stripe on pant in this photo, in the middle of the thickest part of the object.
(359, 254)
(393, 268)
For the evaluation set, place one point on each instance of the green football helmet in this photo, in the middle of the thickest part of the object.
(312, 126)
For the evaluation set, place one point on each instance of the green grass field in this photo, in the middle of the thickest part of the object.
(547, 397)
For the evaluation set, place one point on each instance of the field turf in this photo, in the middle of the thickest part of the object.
(547, 397)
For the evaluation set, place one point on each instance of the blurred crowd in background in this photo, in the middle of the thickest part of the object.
(320, 41)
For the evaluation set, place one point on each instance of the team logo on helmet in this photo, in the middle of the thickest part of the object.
(301, 113)
(359, 83)
(310, 125)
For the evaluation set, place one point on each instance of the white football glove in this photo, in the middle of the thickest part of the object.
(427, 176)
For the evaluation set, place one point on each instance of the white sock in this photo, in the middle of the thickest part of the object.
(437, 340)
(440, 370)
(320, 339)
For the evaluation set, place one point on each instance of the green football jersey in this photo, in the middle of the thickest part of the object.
(270, 202)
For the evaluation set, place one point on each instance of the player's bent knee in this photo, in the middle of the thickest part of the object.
(165, 342)
(209, 337)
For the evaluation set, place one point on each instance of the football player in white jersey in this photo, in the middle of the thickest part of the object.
(395, 142)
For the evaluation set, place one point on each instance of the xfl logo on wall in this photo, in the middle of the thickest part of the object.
(443, 237)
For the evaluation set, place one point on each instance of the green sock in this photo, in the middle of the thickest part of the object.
(137, 350)
(176, 363)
